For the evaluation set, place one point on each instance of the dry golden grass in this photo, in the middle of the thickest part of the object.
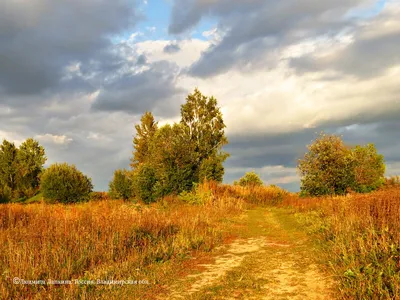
(115, 240)
(108, 240)
(362, 235)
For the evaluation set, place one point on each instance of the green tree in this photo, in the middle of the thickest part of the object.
(145, 183)
(327, 168)
(65, 183)
(173, 158)
(204, 128)
(141, 142)
(8, 166)
(30, 158)
(121, 185)
(369, 168)
(178, 156)
(250, 179)
(331, 168)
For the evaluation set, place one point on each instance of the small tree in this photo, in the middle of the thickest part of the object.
(145, 183)
(369, 168)
(250, 179)
(121, 185)
(31, 158)
(141, 142)
(8, 166)
(65, 183)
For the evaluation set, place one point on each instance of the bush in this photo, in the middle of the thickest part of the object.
(200, 194)
(5, 194)
(121, 185)
(65, 183)
(98, 196)
(250, 179)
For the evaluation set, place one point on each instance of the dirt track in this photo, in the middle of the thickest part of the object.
(272, 259)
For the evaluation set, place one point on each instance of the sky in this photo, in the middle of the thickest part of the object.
(77, 76)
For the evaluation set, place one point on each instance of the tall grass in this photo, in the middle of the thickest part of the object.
(361, 233)
(108, 240)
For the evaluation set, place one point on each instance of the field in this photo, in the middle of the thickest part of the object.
(353, 240)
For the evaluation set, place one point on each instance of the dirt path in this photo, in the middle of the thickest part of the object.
(271, 259)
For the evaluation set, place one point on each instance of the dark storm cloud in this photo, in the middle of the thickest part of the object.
(39, 38)
(144, 91)
(172, 48)
(254, 28)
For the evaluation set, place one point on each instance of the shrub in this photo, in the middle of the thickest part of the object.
(200, 194)
(5, 194)
(250, 179)
(121, 185)
(65, 183)
(98, 196)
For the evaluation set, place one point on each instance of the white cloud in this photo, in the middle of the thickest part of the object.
(55, 139)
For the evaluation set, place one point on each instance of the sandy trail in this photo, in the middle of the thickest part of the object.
(272, 262)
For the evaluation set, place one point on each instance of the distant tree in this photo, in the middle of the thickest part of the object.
(331, 168)
(121, 185)
(8, 166)
(30, 159)
(144, 134)
(250, 179)
(369, 168)
(65, 183)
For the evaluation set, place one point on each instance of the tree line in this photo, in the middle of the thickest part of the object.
(172, 159)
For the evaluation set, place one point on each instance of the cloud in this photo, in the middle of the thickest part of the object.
(55, 139)
(254, 30)
(374, 47)
(150, 90)
(39, 38)
(281, 72)
(172, 48)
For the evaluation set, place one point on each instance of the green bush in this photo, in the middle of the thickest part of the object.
(250, 179)
(65, 183)
(5, 194)
(121, 185)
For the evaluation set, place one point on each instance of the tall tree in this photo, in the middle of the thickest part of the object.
(144, 134)
(8, 165)
(204, 127)
(31, 157)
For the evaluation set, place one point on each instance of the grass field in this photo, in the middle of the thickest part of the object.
(356, 239)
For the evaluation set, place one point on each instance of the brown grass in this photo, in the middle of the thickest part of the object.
(362, 235)
(108, 240)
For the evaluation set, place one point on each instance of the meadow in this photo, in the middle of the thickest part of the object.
(357, 238)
